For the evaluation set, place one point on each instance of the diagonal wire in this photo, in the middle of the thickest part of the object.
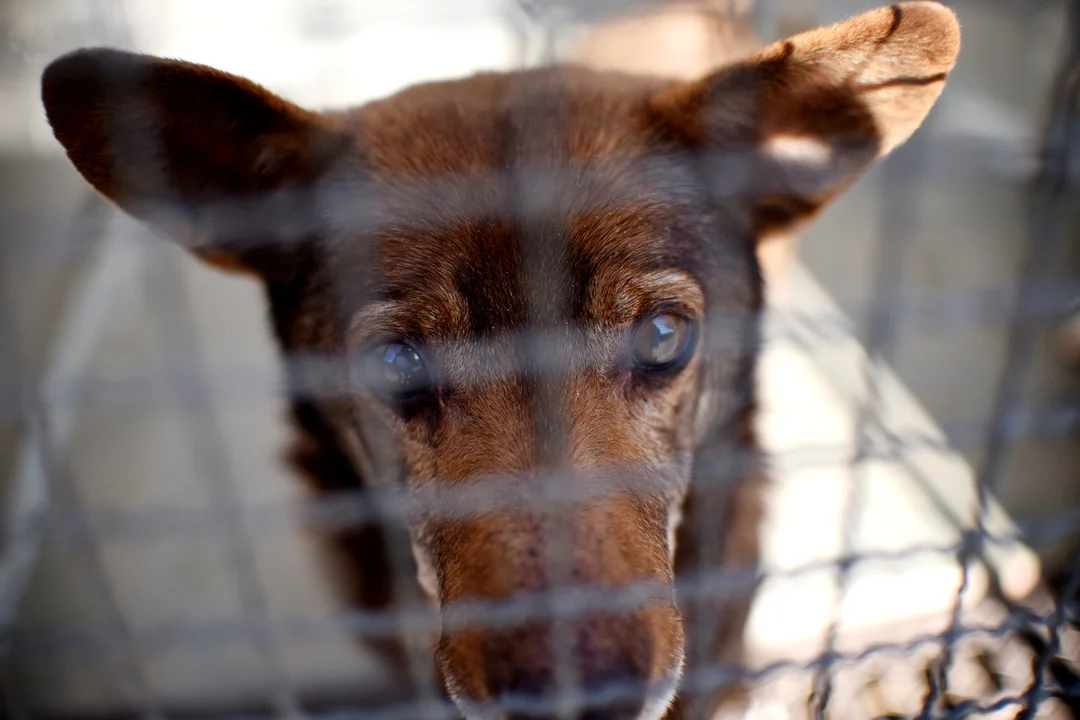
(62, 486)
(170, 304)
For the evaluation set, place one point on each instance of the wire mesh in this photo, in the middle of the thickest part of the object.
(1041, 629)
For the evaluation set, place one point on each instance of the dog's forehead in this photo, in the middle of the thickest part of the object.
(563, 256)
(500, 193)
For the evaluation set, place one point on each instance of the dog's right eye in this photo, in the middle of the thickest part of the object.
(664, 343)
(395, 371)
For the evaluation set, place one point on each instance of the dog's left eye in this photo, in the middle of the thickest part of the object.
(664, 343)
(396, 371)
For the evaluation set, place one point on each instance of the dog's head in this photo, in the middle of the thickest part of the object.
(544, 284)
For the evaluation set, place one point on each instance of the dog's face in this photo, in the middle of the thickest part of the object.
(543, 284)
(532, 327)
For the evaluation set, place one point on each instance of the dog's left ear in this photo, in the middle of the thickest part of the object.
(214, 161)
(791, 127)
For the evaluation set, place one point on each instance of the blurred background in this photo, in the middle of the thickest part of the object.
(151, 563)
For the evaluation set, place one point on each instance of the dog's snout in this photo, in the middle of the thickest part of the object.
(609, 661)
(617, 713)
(608, 667)
(629, 711)
(599, 655)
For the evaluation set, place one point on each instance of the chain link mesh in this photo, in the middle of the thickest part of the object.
(1041, 630)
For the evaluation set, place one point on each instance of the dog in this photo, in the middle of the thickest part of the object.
(526, 306)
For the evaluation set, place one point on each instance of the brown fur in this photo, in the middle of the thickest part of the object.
(518, 227)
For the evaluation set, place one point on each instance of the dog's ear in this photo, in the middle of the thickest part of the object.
(211, 159)
(791, 127)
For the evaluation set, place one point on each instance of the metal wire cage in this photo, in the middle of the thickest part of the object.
(921, 422)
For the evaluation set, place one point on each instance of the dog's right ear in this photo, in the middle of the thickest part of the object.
(211, 159)
(791, 127)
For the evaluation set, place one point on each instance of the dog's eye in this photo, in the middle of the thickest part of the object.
(396, 371)
(664, 342)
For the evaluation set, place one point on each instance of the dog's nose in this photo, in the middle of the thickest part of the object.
(542, 688)
(627, 713)
(624, 711)
(611, 660)
(630, 712)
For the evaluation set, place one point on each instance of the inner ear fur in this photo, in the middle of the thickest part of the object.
(794, 125)
(201, 154)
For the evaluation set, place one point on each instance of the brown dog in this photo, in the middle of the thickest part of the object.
(525, 304)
